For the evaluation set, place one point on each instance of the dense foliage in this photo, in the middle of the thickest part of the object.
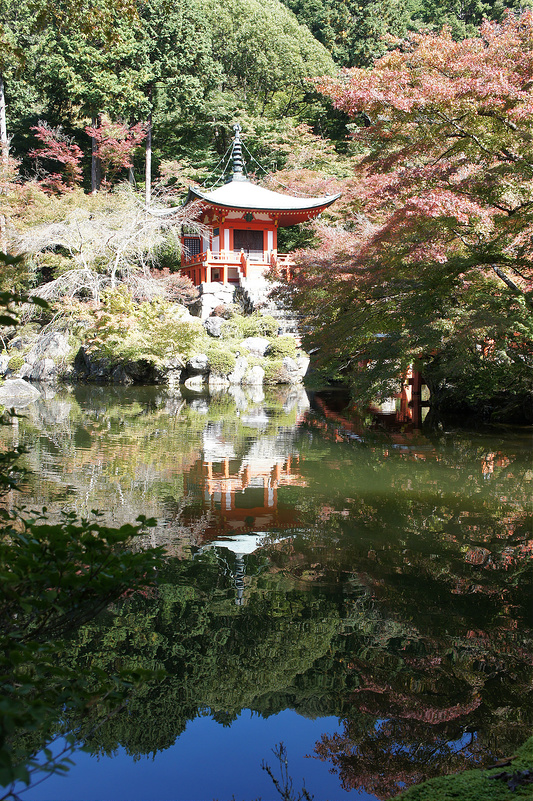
(429, 250)
(356, 33)
(432, 264)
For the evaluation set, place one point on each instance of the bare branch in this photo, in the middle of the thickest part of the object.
(110, 238)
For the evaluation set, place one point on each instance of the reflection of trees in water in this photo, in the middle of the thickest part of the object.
(126, 451)
(445, 556)
(217, 656)
(425, 706)
(401, 602)
(411, 697)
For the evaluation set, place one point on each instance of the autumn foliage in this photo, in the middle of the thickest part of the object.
(115, 143)
(57, 147)
(434, 256)
(451, 121)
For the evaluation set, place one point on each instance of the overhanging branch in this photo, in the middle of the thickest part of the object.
(511, 284)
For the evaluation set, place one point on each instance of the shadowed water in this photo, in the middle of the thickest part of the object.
(370, 579)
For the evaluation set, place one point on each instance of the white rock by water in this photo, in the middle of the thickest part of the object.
(198, 364)
(17, 392)
(254, 376)
(255, 345)
(239, 370)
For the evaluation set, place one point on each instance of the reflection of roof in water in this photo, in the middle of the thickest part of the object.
(243, 544)
(239, 544)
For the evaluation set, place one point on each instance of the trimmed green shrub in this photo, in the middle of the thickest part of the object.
(254, 325)
(151, 331)
(282, 346)
(275, 372)
(259, 325)
(222, 362)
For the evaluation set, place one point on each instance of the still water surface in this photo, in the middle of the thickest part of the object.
(356, 588)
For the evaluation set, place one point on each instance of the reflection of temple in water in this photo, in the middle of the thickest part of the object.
(238, 494)
(240, 491)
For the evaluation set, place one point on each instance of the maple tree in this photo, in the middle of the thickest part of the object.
(115, 143)
(433, 261)
(55, 146)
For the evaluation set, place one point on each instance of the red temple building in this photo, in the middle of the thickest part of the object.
(240, 221)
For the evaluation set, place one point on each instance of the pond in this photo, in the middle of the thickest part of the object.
(350, 586)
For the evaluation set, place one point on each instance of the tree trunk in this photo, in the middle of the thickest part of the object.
(4, 141)
(148, 162)
(4, 146)
(96, 171)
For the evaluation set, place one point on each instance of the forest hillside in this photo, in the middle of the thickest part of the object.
(425, 258)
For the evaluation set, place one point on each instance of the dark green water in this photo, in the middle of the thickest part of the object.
(320, 563)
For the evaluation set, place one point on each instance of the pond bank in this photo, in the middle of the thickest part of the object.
(156, 342)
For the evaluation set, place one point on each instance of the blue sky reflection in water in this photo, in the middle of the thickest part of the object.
(372, 573)
(208, 762)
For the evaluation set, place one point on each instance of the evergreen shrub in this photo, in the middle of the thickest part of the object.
(275, 372)
(282, 346)
(150, 331)
(240, 326)
(221, 362)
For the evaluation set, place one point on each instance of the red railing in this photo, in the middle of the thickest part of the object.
(200, 266)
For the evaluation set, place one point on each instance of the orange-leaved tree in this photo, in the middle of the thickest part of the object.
(435, 262)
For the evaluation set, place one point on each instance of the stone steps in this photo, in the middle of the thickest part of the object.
(255, 296)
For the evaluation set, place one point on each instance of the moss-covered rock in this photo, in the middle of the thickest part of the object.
(275, 372)
(15, 362)
(478, 785)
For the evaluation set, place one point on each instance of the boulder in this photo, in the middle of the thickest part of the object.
(82, 363)
(213, 326)
(295, 369)
(198, 365)
(17, 392)
(255, 345)
(239, 370)
(50, 345)
(254, 376)
(139, 371)
(213, 294)
(44, 370)
(169, 372)
(303, 364)
(120, 376)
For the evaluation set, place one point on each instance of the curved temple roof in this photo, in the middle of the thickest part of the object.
(242, 194)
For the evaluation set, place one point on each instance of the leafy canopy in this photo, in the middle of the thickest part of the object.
(435, 261)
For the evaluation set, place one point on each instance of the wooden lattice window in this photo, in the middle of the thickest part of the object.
(191, 246)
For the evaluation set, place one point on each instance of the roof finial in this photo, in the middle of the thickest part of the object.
(238, 163)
